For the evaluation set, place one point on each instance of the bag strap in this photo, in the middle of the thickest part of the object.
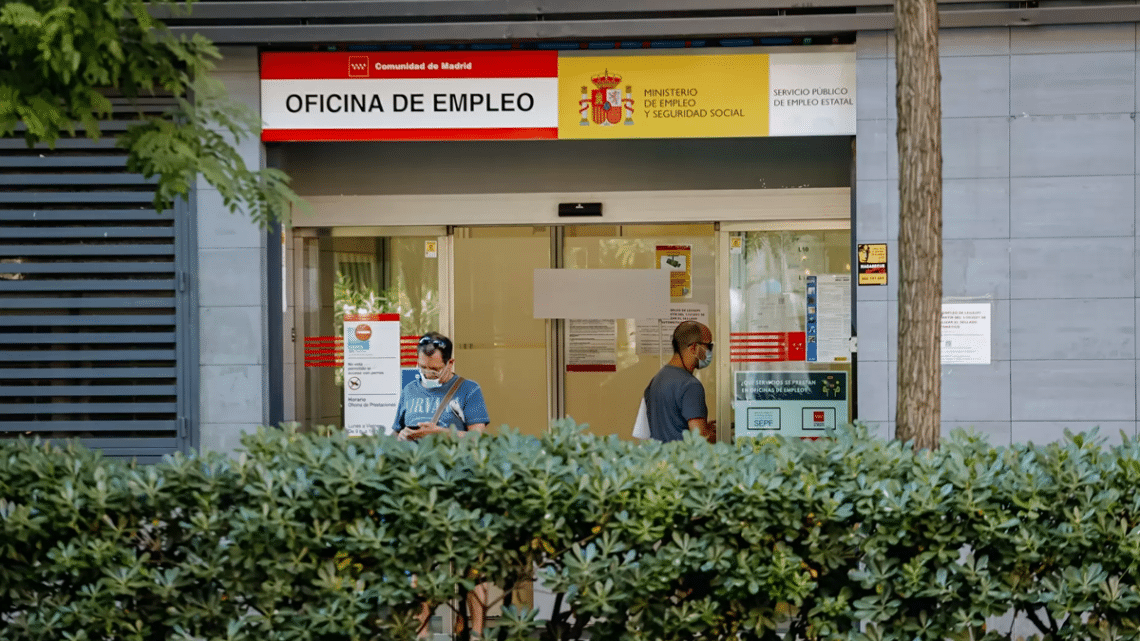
(446, 399)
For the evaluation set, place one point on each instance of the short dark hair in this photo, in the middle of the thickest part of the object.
(687, 333)
(432, 341)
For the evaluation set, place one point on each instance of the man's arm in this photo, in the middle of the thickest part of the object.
(705, 428)
(693, 404)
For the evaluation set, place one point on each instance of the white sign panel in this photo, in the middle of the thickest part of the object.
(966, 334)
(372, 374)
(655, 335)
(811, 93)
(452, 95)
(422, 103)
(833, 328)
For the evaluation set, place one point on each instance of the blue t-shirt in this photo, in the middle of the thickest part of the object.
(417, 405)
(673, 398)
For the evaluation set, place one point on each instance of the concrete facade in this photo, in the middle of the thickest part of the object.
(1039, 219)
(232, 281)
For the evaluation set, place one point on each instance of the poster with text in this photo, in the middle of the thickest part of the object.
(873, 264)
(655, 335)
(678, 261)
(372, 376)
(828, 314)
(790, 403)
(966, 334)
(591, 345)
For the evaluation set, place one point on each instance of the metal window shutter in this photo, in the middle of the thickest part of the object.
(95, 300)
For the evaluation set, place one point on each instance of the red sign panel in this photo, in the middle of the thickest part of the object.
(767, 347)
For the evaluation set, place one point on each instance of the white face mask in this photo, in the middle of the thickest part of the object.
(433, 383)
(706, 361)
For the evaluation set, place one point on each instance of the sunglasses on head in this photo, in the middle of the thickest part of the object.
(438, 342)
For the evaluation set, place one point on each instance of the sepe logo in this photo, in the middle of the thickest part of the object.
(358, 66)
(605, 103)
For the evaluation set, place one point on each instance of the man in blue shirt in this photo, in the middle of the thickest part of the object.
(419, 401)
(466, 411)
(675, 399)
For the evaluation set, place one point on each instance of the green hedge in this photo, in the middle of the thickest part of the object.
(310, 537)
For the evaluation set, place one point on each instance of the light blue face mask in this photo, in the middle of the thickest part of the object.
(706, 361)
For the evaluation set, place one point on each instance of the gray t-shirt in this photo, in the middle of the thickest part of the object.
(673, 398)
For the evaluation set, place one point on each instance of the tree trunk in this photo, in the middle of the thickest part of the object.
(918, 96)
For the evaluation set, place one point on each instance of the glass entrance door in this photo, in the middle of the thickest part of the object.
(606, 393)
(790, 360)
(594, 371)
(359, 271)
(498, 342)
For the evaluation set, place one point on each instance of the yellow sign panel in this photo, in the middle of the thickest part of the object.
(678, 261)
(667, 96)
(873, 264)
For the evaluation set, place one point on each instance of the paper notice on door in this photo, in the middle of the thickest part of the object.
(828, 299)
(655, 335)
(591, 345)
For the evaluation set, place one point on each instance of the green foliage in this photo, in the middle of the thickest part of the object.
(313, 536)
(60, 60)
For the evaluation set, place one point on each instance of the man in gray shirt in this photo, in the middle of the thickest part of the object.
(675, 399)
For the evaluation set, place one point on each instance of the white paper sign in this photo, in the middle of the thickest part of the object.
(655, 335)
(371, 373)
(966, 334)
(591, 345)
(834, 326)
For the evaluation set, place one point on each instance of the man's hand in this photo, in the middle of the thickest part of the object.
(709, 432)
(418, 432)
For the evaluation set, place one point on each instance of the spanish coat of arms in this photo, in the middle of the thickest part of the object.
(605, 103)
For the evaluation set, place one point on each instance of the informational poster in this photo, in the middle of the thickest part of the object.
(655, 335)
(372, 376)
(873, 264)
(591, 345)
(828, 318)
(678, 261)
(966, 334)
(789, 403)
